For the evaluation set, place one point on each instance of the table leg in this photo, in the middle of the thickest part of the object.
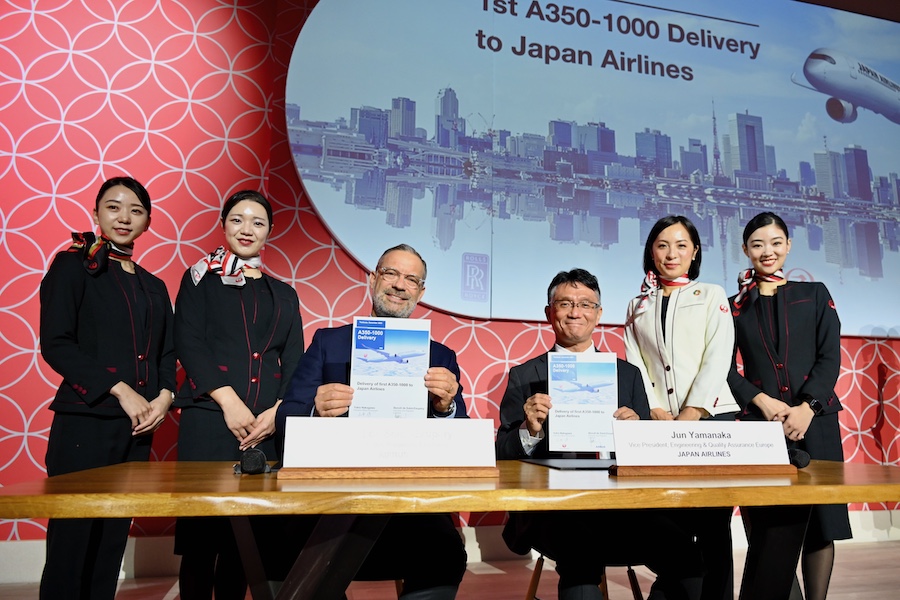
(331, 557)
(260, 588)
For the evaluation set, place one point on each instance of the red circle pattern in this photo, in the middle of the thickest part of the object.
(188, 97)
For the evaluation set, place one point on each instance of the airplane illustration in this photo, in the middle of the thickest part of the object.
(388, 357)
(851, 85)
(583, 387)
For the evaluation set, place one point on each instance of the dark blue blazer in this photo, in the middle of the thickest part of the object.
(327, 360)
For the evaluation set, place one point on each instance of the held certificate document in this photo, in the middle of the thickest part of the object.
(583, 390)
(388, 362)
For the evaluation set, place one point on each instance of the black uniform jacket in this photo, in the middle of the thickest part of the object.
(90, 337)
(218, 344)
(807, 358)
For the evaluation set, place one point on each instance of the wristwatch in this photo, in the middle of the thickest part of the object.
(447, 413)
(816, 406)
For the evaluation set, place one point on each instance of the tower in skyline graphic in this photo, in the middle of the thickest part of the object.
(448, 126)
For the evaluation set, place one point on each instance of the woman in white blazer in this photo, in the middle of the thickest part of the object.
(679, 333)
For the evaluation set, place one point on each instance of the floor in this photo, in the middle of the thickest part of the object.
(862, 572)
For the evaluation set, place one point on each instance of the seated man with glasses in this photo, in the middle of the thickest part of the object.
(583, 542)
(423, 550)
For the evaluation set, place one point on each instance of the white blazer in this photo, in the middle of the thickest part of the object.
(689, 365)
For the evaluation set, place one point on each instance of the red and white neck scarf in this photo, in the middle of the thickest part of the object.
(226, 265)
(96, 252)
(652, 283)
(747, 280)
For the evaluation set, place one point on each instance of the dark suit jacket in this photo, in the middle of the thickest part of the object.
(531, 378)
(327, 360)
(218, 346)
(88, 335)
(523, 531)
(807, 358)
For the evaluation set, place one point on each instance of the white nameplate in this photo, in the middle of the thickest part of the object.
(679, 443)
(317, 442)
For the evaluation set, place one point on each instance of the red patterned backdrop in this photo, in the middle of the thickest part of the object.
(188, 96)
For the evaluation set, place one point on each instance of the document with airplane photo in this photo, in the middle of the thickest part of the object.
(387, 370)
(582, 388)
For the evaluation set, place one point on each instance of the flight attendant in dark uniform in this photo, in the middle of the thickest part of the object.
(789, 337)
(238, 335)
(106, 327)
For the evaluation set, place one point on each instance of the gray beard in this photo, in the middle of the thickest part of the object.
(380, 310)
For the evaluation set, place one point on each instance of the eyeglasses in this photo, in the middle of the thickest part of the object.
(391, 275)
(567, 305)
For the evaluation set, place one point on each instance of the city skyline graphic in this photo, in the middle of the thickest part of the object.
(496, 202)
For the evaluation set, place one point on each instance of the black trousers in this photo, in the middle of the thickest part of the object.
(711, 530)
(84, 555)
(583, 542)
(424, 550)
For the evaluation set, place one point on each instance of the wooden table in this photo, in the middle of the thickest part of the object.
(172, 489)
